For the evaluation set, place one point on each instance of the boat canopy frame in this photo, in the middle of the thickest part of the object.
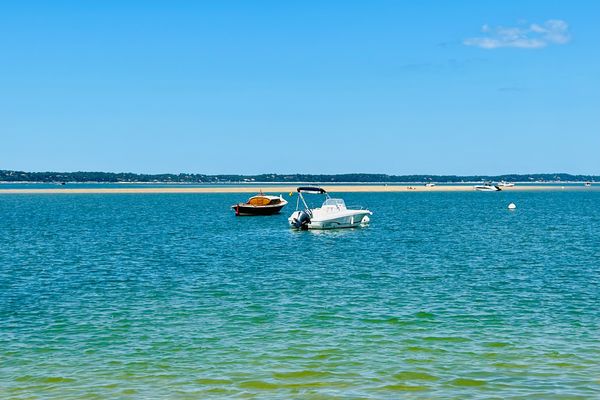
(310, 190)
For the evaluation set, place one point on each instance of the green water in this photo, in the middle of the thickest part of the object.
(444, 295)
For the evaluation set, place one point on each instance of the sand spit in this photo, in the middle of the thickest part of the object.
(283, 189)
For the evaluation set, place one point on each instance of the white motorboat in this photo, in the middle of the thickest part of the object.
(332, 214)
(487, 187)
(505, 184)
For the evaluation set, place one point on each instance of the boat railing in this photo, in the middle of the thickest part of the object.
(355, 207)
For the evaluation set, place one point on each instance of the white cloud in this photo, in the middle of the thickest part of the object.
(533, 36)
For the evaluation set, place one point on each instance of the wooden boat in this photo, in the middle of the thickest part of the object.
(261, 204)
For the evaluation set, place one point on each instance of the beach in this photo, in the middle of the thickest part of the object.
(269, 188)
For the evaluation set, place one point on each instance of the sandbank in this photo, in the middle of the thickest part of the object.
(284, 189)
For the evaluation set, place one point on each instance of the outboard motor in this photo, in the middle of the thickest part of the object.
(302, 221)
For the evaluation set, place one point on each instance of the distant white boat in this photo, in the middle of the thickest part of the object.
(505, 184)
(487, 187)
(430, 184)
(588, 184)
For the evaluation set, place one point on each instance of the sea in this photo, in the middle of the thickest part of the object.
(170, 296)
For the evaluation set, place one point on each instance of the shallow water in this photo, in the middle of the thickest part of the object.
(171, 296)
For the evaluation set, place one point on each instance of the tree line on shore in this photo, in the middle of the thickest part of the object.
(124, 177)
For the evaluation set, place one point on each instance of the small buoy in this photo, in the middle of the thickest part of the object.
(512, 206)
(291, 193)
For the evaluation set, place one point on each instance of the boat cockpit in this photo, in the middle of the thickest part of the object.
(337, 204)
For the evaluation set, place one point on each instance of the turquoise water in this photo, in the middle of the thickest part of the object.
(170, 296)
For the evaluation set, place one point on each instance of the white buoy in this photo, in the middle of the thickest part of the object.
(512, 206)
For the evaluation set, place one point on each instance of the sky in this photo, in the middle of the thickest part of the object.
(249, 87)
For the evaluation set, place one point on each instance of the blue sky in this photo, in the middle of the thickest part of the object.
(397, 87)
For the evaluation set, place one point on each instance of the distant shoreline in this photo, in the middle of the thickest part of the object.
(285, 189)
(316, 183)
(80, 177)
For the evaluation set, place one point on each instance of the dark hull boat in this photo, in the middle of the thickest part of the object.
(260, 205)
(243, 209)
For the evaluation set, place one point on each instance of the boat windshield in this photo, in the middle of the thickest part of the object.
(335, 202)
